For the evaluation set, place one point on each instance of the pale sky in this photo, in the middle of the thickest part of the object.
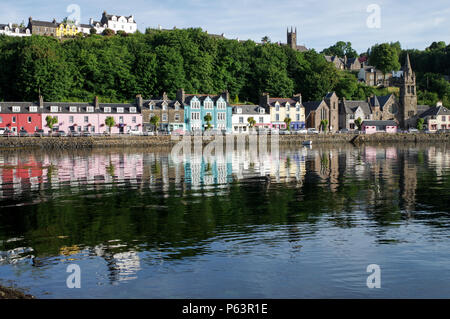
(320, 23)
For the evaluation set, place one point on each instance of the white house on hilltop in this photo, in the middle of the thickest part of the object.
(115, 23)
(14, 31)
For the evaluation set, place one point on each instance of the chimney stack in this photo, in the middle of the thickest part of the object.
(41, 101)
(164, 97)
(181, 96)
(139, 101)
(226, 95)
(96, 105)
(264, 100)
(298, 97)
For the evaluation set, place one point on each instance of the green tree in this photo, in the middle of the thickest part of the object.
(108, 32)
(92, 31)
(358, 123)
(155, 122)
(110, 122)
(341, 49)
(51, 121)
(420, 122)
(287, 121)
(208, 119)
(385, 58)
(324, 125)
(251, 121)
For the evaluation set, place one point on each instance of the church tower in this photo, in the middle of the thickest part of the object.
(408, 96)
(292, 38)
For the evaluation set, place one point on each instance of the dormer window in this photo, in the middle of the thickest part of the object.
(151, 106)
(195, 104)
(107, 109)
(16, 108)
(238, 110)
(208, 104)
(221, 104)
(277, 107)
(54, 109)
(119, 110)
(177, 106)
(132, 109)
(33, 108)
(164, 106)
(288, 107)
(261, 110)
(90, 109)
(114, 18)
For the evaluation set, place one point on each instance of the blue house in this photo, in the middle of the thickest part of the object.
(197, 106)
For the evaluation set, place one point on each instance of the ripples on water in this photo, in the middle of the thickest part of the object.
(298, 223)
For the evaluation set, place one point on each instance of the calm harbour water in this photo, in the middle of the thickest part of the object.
(304, 223)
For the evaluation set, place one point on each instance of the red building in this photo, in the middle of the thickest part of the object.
(20, 115)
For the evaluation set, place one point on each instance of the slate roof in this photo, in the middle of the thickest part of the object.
(282, 101)
(312, 106)
(202, 97)
(435, 110)
(380, 123)
(248, 109)
(350, 107)
(64, 107)
(44, 24)
(158, 104)
(6, 107)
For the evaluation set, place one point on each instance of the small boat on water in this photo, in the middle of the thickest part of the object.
(308, 142)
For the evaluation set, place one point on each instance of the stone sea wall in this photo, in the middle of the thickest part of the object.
(154, 141)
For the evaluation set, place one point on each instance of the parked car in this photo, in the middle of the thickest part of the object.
(302, 131)
(413, 130)
(61, 133)
(344, 131)
(135, 132)
(23, 133)
(2, 130)
(39, 132)
(8, 132)
(286, 132)
(86, 133)
(313, 131)
(429, 132)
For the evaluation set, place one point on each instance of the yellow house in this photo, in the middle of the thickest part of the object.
(67, 30)
(282, 108)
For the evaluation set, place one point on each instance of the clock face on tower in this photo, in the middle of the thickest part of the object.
(393, 109)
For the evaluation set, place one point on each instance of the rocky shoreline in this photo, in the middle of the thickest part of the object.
(8, 143)
(13, 293)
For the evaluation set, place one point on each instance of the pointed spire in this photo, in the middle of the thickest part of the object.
(407, 67)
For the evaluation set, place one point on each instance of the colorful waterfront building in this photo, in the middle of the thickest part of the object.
(282, 108)
(242, 113)
(17, 116)
(169, 112)
(91, 117)
(197, 106)
(371, 127)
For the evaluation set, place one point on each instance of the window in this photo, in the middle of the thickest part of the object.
(151, 106)
(73, 109)
(120, 119)
(241, 119)
(33, 108)
(90, 109)
(261, 119)
(195, 104)
(133, 119)
(16, 108)
(70, 119)
(352, 116)
(221, 116)
(92, 129)
(177, 117)
(107, 109)
(164, 107)
(86, 119)
(208, 104)
(53, 109)
(119, 110)
(288, 107)
(132, 109)
(298, 117)
(1, 119)
(277, 107)
(221, 105)
(367, 117)
(277, 117)
(164, 117)
(195, 116)
(443, 119)
(29, 119)
(13, 119)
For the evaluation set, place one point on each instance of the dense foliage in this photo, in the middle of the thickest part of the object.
(118, 67)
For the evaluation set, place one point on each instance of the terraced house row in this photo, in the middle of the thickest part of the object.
(192, 112)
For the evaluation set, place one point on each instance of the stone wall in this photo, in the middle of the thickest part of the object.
(154, 141)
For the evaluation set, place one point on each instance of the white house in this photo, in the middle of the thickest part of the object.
(115, 23)
(241, 114)
(14, 31)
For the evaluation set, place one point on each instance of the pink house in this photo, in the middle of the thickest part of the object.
(371, 127)
(85, 117)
